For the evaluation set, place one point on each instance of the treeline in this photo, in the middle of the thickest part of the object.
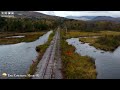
(26, 25)
(91, 25)
(32, 25)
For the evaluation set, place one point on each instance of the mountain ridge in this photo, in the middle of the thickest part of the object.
(95, 18)
(85, 18)
(32, 14)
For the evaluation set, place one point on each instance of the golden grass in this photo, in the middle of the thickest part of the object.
(84, 34)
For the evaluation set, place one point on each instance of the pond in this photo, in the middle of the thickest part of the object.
(17, 58)
(107, 63)
(15, 37)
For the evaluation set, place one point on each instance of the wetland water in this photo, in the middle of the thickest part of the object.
(107, 63)
(17, 58)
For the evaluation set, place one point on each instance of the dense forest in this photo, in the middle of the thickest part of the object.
(91, 25)
(31, 25)
(26, 25)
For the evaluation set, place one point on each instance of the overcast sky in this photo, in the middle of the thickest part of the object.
(82, 13)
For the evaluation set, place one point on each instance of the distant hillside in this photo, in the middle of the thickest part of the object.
(31, 14)
(94, 18)
(103, 18)
(106, 18)
(37, 15)
(84, 18)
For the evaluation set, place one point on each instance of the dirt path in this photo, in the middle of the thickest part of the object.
(50, 64)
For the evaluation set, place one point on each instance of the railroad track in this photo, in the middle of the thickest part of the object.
(50, 64)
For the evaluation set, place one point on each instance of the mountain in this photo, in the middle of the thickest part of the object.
(38, 15)
(108, 18)
(84, 18)
(94, 18)
(34, 15)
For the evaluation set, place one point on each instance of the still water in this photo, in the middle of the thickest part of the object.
(107, 63)
(17, 58)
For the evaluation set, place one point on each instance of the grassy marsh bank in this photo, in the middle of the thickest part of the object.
(106, 40)
(74, 65)
(107, 43)
(28, 37)
(41, 50)
(76, 34)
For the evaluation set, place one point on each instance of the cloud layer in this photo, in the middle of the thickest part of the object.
(82, 13)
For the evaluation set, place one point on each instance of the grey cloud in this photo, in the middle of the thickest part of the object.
(83, 13)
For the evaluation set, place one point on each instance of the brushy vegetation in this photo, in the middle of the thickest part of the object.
(41, 50)
(43, 47)
(91, 26)
(28, 37)
(74, 65)
(107, 42)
